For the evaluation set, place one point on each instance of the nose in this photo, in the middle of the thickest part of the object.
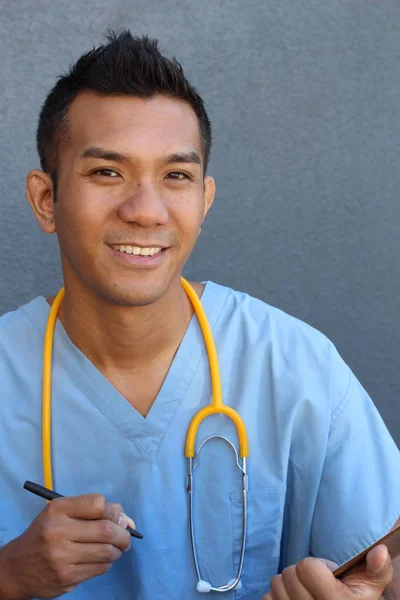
(144, 206)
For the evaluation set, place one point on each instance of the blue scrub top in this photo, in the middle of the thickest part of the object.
(324, 473)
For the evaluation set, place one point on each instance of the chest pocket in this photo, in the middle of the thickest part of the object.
(264, 527)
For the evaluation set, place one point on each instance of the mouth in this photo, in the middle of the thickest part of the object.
(139, 255)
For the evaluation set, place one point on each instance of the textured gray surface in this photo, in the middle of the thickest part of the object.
(304, 99)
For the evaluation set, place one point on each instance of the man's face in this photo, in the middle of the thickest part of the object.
(130, 180)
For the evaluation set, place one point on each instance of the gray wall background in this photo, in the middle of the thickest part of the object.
(304, 99)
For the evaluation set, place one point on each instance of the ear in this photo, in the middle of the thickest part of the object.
(40, 195)
(209, 194)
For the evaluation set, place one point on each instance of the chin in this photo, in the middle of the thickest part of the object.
(141, 295)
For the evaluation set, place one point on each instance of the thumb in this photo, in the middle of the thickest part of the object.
(375, 574)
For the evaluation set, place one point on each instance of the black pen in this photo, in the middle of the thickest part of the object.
(43, 492)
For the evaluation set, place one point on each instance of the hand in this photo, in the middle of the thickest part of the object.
(311, 579)
(73, 539)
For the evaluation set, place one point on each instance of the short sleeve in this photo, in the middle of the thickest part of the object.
(359, 496)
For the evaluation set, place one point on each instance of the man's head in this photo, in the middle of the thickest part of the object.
(126, 65)
(124, 142)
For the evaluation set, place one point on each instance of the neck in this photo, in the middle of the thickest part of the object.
(119, 338)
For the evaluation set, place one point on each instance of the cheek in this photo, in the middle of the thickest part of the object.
(80, 214)
(76, 227)
(188, 213)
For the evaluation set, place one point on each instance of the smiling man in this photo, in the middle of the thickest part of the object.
(124, 143)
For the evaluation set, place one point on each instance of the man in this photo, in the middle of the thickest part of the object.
(124, 142)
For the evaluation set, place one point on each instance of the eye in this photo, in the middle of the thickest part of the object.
(178, 176)
(110, 173)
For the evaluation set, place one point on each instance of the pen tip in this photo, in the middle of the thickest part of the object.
(135, 533)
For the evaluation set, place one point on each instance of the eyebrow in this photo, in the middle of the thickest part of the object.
(184, 157)
(191, 156)
(95, 152)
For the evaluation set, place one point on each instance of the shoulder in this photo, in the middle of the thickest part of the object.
(20, 329)
(264, 321)
(292, 348)
(20, 316)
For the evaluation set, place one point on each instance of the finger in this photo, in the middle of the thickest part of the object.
(115, 513)
(294, 587)
(91, 506)
(278, 591)
(318, 579)
(76, 574)
(329, 563)
(94, 553)
(88, 506)
(101, 531)
(374, 575)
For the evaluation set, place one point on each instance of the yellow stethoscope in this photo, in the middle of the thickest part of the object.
(216, 406)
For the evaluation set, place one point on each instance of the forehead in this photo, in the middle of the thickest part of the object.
(140, 126)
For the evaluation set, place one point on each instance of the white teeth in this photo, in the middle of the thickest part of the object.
(137, 250)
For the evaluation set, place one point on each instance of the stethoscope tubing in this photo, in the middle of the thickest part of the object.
(216, 406)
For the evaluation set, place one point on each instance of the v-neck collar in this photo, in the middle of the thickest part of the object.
(147, 433)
